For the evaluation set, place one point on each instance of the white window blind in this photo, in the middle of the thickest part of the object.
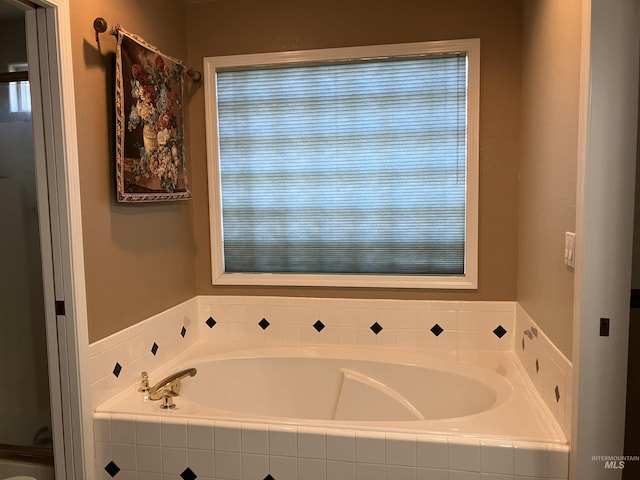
(355, 168)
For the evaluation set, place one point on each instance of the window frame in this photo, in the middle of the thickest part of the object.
(468, 280)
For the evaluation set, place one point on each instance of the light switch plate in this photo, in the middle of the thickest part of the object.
(569, 249)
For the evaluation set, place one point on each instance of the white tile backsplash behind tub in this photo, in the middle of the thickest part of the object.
(436, 325)
(550, 371)
(118, 360)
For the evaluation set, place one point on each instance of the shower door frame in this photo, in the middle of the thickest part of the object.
(48, 34)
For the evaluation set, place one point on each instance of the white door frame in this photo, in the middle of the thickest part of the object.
(604, 220)
(51, 76)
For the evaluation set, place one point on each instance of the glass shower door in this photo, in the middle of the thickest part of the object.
(25, 416)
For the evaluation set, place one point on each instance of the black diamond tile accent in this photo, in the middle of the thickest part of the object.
(437, 329)
(117, 369)
(188, 474)
(211, 322)
(269, 477)
(264, 323)
(376, 328)
(183, 332)
(499, 331)
(154, 349)
(112, 469)
(537, 366)
(557, 392)
(319, 326)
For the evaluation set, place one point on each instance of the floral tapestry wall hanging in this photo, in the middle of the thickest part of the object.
(150, 163)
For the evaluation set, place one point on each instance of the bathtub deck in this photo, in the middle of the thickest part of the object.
(516, 438)
(521, 417)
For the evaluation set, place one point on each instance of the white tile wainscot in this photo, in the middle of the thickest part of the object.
(158, 448)
(434, 325)
(550, 371)
(117, 361)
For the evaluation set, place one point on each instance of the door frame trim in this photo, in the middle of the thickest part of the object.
(607, 144)
(67, 335)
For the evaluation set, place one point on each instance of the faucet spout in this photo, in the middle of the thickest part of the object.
(170, 386)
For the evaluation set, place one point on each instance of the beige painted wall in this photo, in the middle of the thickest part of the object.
(547, 188)
(138, 258)
(233, 27)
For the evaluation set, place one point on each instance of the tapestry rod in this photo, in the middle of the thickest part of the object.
(100, 25)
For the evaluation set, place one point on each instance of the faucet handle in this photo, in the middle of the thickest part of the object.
(167, 400)
(144, 383)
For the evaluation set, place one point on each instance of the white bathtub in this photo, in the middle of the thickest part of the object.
(480, 401)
